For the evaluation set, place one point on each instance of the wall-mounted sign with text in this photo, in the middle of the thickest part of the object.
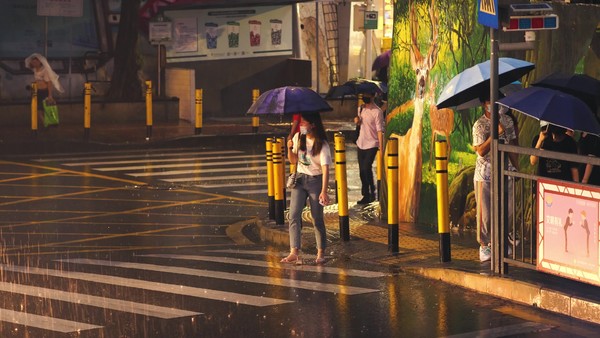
(568, 230)
(216, 34)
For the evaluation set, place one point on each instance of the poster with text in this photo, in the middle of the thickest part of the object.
(568, 232)
(216, 34)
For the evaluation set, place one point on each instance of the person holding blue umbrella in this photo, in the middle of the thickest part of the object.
(482, 141)
(309, 150)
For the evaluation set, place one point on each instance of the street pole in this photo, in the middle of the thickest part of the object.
(495, 184)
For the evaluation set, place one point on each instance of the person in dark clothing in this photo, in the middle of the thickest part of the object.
(554, 138)
(589, 145)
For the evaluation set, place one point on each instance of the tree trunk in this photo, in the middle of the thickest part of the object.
(125, 84)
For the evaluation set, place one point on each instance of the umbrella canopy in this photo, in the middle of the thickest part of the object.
(382, 60)
(582, 86)
(555, 107)
(357, 86)
(289, 100)
(474, 82)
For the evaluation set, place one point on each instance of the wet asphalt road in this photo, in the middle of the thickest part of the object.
(94, 245)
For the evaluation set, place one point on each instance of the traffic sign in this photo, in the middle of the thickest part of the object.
(532, 23)
(488, 13)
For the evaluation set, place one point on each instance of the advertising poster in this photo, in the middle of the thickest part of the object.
(568, 232)
(216, 34)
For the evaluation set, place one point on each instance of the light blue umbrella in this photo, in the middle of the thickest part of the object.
(474, 82)
(554, 107)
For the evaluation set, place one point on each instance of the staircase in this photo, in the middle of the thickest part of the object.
(331, 34)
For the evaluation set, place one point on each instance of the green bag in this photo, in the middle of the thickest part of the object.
(50, 114)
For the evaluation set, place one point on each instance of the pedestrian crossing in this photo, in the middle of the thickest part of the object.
(232, 170)
(208, 277)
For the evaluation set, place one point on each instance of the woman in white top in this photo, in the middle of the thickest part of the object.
(45, 78)
(310, 151)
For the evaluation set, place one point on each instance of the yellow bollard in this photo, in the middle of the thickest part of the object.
(392, 197)
(270, 182)
(342, 185)
(441, 173)
(148, 110)
(34, 109)
(278, 180)
(87, 109)
(199, 108)
(255, 119)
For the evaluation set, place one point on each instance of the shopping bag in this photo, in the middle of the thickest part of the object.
(50, 114)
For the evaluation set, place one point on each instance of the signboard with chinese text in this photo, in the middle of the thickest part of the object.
(217, 34)
(568, 232)
(60, 8)
(160, 32)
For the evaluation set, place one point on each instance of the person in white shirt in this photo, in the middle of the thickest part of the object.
(309, 150)
(370, 139)
(46, 80)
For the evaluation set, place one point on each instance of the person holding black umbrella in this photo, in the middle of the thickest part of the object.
(370, 138)
(309, 149)
(482, 141)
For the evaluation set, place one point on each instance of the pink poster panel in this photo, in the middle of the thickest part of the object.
(568, 232)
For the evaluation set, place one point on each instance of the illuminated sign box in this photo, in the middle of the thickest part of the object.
(531, 23)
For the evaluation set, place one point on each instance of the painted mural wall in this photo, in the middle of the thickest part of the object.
(433, 40)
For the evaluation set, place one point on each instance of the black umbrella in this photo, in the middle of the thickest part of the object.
(584, 87)
(357, 86)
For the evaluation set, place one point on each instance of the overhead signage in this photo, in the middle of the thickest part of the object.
(370, 20)
(160, 32)
(72, 8)
(488, 13)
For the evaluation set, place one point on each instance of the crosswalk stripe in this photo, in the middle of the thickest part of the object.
(313, 286)
(103, 302)
(178, 165)
(265, 264)
(227, 185)
(197, 171)
(165, 160)
(252, 192)
(45, 323)
(144, 154)
(214, 178)
(183, 290)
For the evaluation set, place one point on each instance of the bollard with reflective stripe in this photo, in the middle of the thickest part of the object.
(255, 119)
(199, 108)
(34, 109)
(342, 185)
(270, 182)
(441, 174)
(278, 181)
(148, 110)
(87, 109)
(392, 197)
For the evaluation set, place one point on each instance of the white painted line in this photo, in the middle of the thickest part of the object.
(239, 277)
(183, 290)
(102, 302)
(265, 264)
(144, 154)
(505, 331)
(198, 163)
(45, 323)
(215, 178)
(197, 171)
(165, 160)
(228, 185)
(253, 192)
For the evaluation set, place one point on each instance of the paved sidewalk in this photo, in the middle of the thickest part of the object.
(419, 244)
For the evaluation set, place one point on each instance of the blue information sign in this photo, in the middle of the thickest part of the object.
(488, 13)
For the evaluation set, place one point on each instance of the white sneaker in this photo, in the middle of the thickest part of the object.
(485, 253)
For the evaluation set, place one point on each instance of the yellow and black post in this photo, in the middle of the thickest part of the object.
(278, 181)
(34, 109)
(379, 160)
(148, 110)
(255, 119)
(392, 197)
(199, 108)
(342, 185)
(441, 173)
(87, 110)
(270, 182)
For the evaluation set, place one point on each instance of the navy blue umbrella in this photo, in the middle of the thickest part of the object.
(582, 86)
(357, 86)
(474, 82)
(555, 107)
(289, 100)
(382, 60)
